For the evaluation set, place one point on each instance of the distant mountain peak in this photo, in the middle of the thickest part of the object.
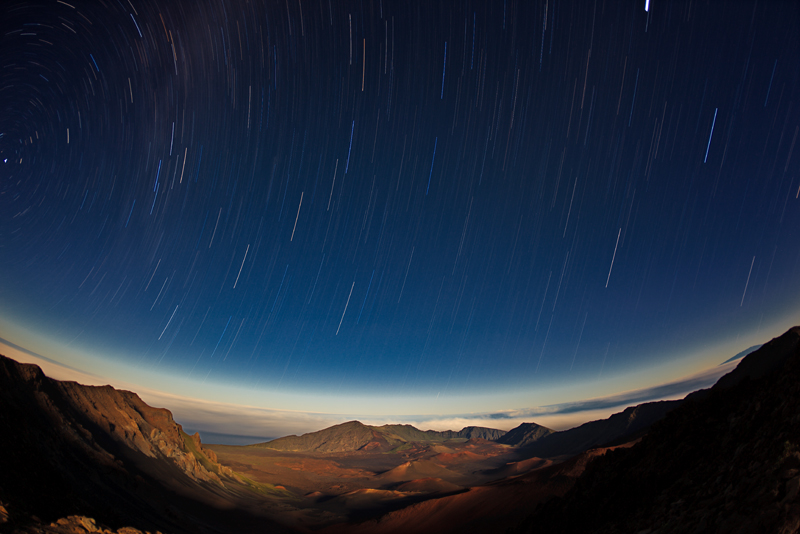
(525, 434)
(355, 436)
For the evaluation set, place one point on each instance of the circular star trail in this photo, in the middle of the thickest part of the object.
(398, 197)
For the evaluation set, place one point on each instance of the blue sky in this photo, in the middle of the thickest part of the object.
(411, 208)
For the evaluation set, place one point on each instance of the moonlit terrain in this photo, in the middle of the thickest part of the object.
(395, 210)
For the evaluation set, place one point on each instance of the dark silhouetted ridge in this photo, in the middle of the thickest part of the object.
(630, 422)
(726, 460)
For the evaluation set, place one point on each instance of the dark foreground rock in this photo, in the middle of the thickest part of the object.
(727, 460)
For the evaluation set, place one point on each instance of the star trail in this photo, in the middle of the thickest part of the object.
(381, 197)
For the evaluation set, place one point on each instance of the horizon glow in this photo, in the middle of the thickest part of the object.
(527, 210)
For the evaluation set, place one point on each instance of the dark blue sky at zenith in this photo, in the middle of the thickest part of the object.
(398, 197)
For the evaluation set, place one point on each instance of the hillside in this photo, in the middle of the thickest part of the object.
(727, 460)
(350, 436)
(69, 449)
(356, 436)
(76, 459)
(533, 439)
(524, 434)
(410, 433)
(622, 426)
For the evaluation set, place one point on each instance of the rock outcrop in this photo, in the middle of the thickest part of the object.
(87, 415)
(76, 524)
(96, 452)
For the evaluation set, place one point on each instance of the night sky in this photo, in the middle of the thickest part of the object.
(414, 199)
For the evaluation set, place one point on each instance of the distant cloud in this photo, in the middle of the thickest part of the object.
(194, 414)
(218, 420)
(742, 354)
(499, 416)
(570, 414)
(22, 350)
(664, 391)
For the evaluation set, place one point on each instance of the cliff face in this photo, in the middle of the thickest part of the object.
(68, 449)
(99, 420)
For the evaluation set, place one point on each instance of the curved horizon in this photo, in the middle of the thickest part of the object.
(226, 416)
(390, 210)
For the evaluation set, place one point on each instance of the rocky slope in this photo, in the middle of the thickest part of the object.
(68, 449)
(75, 524)
(727, 460)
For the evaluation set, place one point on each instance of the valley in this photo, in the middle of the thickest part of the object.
(79, 459)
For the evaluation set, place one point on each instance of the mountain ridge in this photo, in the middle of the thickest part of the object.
(92, 457)
(94, 451)
(629, 423)
(356, 436)
(726, 460)
(534, 439)
(525, 434)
